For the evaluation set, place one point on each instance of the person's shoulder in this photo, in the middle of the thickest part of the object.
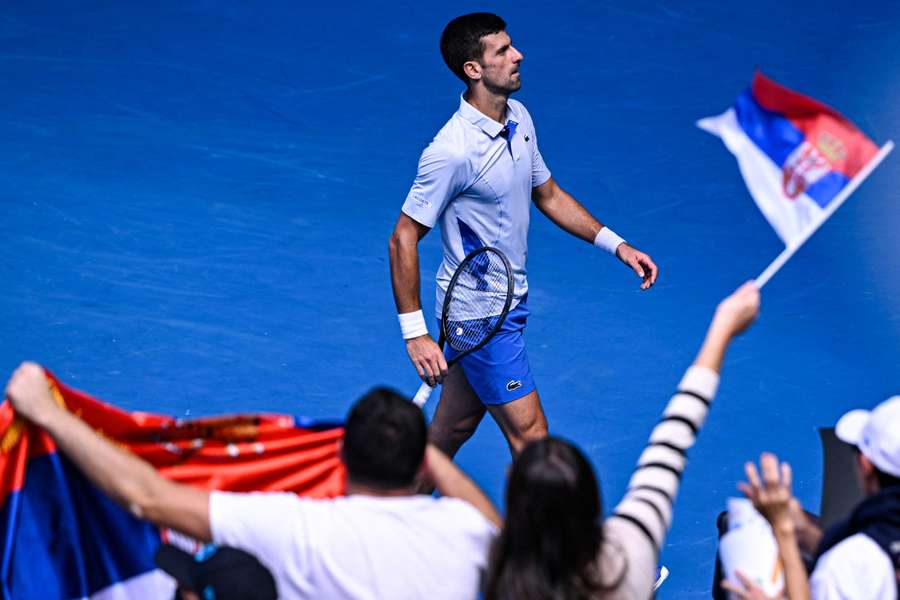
(519, 110)
(858, 548)
(462, 513)
(857, 567)
(450, 146)
(516, 105)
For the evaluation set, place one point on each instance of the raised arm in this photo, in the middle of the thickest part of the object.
(450, 481)
(403, 249)
(560, 207)
(122, 476)
(771, 495)
(641, 520)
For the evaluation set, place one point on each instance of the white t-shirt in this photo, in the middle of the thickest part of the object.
(477, 184)
(857, 569)
(359, 546)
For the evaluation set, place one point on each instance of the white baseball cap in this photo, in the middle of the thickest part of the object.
(876, 433)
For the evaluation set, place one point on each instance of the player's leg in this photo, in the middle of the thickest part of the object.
(500, 375)
(521, 420)
(458, 413)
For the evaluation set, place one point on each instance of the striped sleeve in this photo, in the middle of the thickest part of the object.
(647, 505)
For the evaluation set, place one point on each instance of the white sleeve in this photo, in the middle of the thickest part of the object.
(442, 175)
(256, 523)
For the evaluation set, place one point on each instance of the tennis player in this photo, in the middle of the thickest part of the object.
(477, 179)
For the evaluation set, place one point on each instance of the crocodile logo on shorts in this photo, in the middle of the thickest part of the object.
(513, 385)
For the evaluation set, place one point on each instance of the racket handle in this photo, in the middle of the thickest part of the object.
(422, 395)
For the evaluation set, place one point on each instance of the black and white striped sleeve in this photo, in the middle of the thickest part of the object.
(647, 505)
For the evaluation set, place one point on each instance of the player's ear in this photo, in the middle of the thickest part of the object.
(472, 69)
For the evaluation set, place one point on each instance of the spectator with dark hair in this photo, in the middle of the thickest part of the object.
(378, 541)
(555, 542)
(859, 557)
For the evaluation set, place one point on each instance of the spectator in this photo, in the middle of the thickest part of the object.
(379, 541)
(771, 495)
(554, 545)
(858, 558)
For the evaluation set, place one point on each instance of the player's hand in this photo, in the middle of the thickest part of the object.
(29, 393)
(428, 359)
(735, 313)
(748, 591)
(639, 262)
(771, 493)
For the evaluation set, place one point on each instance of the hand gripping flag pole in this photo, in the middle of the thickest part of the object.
(842, 196)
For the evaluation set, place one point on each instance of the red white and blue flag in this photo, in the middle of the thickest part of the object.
(800, 158)
(60, 537)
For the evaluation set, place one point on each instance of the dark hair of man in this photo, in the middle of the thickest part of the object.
(553, 531)
(461, 40)
(885, 480)
(384, 440)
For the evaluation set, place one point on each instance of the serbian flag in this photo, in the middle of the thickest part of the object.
(60, 537)
(800, 158)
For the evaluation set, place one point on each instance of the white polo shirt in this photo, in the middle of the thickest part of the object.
(855, 568)
(478, 184)
(359, 547)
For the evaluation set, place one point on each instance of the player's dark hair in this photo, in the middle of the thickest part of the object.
(461, 40)
(553, 529)
(384, 440)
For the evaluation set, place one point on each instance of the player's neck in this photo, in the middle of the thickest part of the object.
(488, 103)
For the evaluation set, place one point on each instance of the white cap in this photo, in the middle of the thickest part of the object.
(876, 433)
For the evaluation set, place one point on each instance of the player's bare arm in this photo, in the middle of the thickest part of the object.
(403, 249)
(122, 476)
(560, 207)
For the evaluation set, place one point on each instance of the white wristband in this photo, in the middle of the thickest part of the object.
(607, 239)
(412, 324)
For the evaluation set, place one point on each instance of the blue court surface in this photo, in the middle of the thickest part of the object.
(196, 200)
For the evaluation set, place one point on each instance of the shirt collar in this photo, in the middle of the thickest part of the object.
(479, 119)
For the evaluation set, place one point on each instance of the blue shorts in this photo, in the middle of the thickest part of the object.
(499, 371)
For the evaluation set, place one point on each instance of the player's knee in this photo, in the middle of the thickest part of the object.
(534, 428)
(530, 432)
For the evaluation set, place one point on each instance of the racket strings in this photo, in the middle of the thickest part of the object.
(477, 300)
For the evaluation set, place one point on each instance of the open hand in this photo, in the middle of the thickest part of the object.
(639, 262)
(771, 494)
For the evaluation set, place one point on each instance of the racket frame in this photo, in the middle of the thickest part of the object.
(510, 291)
(425, 389)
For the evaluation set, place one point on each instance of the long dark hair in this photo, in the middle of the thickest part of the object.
(551, 539)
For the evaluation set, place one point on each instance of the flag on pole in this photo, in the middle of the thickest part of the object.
(795, 153)
(60, 537)
(800, 159)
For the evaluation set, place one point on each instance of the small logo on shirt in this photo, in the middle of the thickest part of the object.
(513, 385)
(526, 137)
(422, 202)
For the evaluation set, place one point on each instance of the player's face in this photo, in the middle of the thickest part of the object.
(500, 64)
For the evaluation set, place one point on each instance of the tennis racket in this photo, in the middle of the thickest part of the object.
(475, 306)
